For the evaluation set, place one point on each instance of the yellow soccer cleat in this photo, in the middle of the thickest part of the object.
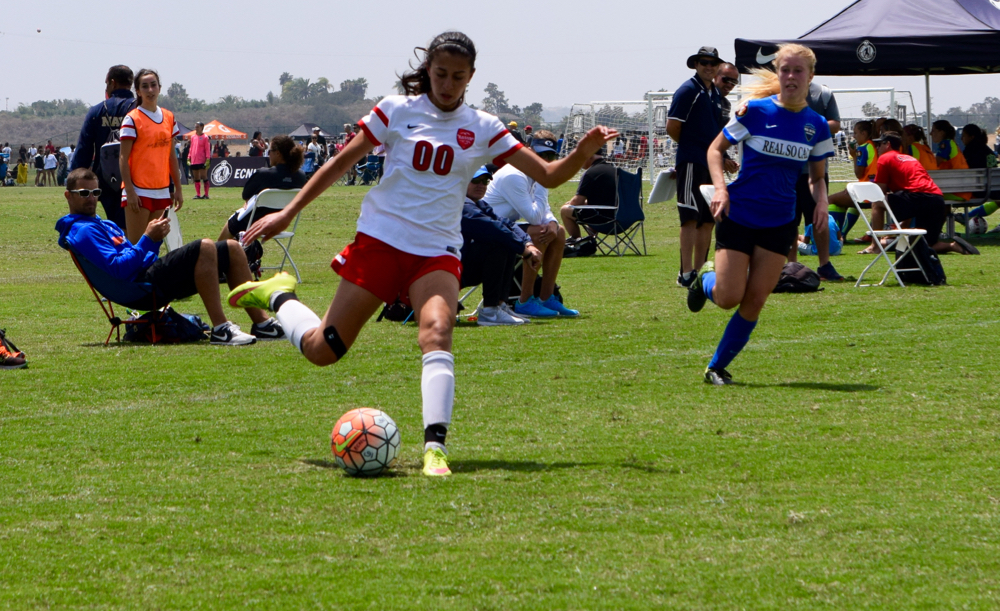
(436, 463)
(258, 294)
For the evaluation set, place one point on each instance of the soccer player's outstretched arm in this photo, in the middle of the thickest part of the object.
(273, 224)
(551, 175)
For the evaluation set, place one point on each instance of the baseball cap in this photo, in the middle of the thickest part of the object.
(527, 128)
(512, 124)
(892, 137)
(543, 145)
(316, 129)
(706, 52)
(483, 171)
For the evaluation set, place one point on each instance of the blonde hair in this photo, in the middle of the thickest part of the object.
(766, 83)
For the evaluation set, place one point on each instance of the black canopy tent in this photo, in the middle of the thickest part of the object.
(897, 38)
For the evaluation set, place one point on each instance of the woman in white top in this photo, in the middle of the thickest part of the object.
(409, 232)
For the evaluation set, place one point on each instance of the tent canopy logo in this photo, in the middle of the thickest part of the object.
(866, 52)
(222, 173)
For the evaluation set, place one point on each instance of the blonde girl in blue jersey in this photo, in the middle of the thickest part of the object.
(757, 226)
(409, 231)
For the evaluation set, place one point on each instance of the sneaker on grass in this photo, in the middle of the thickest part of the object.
(557, 306)
(510, 312)
(696, 293)
(495, 316)
(258, 294)
(267, 330)
(685, 280)
(829, 273)
(533, 309)
(718, 377)
(9, 360)
(229, 334)
(436, 463)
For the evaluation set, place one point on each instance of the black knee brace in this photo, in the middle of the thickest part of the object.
(333, 340)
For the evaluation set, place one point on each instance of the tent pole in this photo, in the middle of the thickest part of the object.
(927, 87)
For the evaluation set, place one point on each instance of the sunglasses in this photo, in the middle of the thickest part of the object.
(86, 192)
(482, 180)
(709, 62)
(730, 81)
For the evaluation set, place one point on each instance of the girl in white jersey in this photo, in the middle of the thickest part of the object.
(409, 232)
(755, 230)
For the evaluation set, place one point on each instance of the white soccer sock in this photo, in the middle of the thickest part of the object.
(437, 386)
(296, 319)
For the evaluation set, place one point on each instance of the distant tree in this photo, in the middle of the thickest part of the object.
(177, 94)
(295, 90)
(284, 78)
(533, 113)
(869, 109)
(495, 101)
(355, 87)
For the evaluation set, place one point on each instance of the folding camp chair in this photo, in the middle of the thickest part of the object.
(619, 235)
(132, 295)
(369, 170)
(272, 200)
(869, 193)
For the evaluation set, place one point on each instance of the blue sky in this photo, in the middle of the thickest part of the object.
(552, 51)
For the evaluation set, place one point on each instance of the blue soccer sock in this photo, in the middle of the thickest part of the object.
(733, 340)
(852, 217)
(707, 284)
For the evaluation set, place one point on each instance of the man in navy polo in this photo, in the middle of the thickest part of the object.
(693, 122)
(101, 120)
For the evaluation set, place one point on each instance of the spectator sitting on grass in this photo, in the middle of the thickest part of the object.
(192, 269)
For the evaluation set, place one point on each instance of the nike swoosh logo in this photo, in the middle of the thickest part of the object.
(770, 126)
(408, 126)
(267, 332)
(340, 447)
(765, 59)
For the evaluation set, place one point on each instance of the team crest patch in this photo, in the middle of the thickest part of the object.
(466, 138)
(810, 130)
(741, 111)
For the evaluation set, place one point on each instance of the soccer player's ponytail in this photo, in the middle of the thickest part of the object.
(418, 80)
(290, 152)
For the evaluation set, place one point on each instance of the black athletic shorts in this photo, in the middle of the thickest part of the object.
(690, 204)
(730, 235)
(928, 209)
(197, 166)
(173, 275)
(805, 205)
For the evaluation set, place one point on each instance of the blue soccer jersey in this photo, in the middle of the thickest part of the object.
(777, 143)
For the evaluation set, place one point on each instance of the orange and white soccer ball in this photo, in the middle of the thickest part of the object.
(365, 442)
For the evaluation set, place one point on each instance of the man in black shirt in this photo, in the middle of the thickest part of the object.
(598, 187)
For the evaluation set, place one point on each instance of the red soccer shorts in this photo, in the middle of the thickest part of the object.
(149, 203)
(385, 271)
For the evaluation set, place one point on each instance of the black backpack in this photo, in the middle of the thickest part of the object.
(928, 260)
(110, 150)
(797, 278)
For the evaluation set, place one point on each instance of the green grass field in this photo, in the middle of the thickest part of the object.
(856, 466)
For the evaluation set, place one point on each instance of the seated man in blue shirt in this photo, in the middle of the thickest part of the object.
(490, 249)
(193, 268)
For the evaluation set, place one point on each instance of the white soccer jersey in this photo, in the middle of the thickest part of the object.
(431, 156)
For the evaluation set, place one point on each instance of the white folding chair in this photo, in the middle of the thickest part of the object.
(271, 200)
(903, 240)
